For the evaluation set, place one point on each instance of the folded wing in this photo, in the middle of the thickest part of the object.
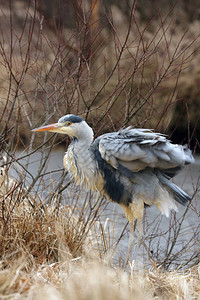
(136, 149)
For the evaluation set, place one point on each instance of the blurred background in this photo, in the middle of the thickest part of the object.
(116, 63)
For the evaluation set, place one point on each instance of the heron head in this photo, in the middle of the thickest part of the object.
(72, 125)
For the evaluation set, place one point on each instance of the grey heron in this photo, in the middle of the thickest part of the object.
(131, 167)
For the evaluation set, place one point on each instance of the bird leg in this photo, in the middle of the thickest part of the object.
(132, 247)
(140, 238)
(130, 243)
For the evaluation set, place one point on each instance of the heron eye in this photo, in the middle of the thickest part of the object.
(69, 123)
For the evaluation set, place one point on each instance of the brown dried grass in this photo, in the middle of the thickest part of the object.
(46, 254)
(90, 279)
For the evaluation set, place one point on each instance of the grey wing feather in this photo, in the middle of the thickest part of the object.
(137, 149)
(179, 195)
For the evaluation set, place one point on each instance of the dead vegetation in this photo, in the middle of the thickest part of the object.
(91, 280)
(57, 252)
(111, 67)
(42, 257)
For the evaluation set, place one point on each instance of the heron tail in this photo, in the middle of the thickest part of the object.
(179, 195)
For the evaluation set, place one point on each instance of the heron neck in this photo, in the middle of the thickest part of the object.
(82, 154)
(85, 136)
(82, 143)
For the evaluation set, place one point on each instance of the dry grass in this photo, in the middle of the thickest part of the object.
(49, 253)
(90, 279)
(41, 233)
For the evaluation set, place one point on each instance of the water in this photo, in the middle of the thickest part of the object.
(159, 231)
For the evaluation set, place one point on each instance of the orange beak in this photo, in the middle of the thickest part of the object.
(51, 127)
